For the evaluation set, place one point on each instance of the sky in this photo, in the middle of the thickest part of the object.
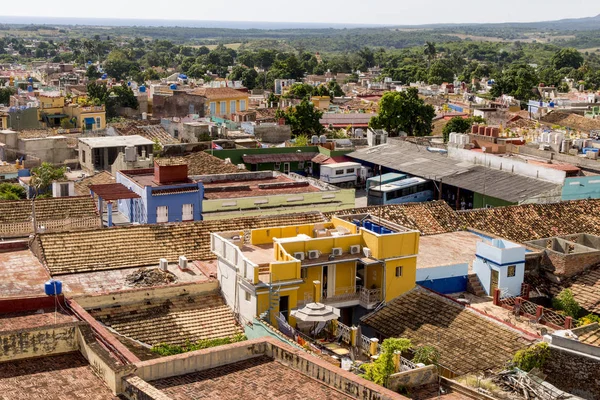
(384, 12)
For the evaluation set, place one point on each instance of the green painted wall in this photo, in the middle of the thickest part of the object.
(480, 201)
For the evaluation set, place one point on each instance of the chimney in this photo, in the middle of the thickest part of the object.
(317, 292)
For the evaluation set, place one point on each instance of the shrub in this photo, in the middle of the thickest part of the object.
(427, 355)
(589, 319)
(532, 357)
(165, 349)
(379, 370)
(566, 302)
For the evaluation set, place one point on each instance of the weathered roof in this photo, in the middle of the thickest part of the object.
(417, 161)
(586, 289)
(148, 131)
(468, 342)
(220, 93)
(535, 221)
(8, 169)
(429, 218)
(201, 163)
(82, 187)
(113, 191)
(172, 321)
(138, 246)
(282, 157)
(347, 119)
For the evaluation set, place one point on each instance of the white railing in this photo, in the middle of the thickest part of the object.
(406, 365)
(344, 330)
(233, 254)
(369, 297)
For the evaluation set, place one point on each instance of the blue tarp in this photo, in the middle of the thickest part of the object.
(89, 121)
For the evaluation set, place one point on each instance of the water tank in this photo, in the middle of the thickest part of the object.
(30, 80)
(565, 146)
(130, 154)
(29, 88)
(128, 83)
(173, 86)
(322, 139)
(183, 76)
(142, 89)
(53, 287)
(104, 76)
(359, 133)
(314, 139)
(481, 129)
(475, 129)
(144, 116)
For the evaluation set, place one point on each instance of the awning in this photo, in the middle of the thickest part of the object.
(57, 115)
(89, 121)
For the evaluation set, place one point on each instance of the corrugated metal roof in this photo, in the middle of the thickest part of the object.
(415, 160)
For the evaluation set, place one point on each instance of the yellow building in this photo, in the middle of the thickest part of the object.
(360, 260)
(321, 102)
(50, 110)
(3, 120)
(86, 117)
(223, 102)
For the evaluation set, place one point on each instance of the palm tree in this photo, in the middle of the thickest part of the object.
(430, 52)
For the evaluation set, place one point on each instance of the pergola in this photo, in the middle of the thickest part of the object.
(110, 192)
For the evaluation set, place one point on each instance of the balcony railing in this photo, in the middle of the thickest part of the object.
(367, 298)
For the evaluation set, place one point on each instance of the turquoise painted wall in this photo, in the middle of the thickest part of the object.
(581, 187)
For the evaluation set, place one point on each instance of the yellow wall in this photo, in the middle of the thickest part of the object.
(52, 102)
(3, 122)
(81, 113)
(346, 224)
(345, 274)
(373, 276)
(266, 235)
(227, 111)
(285, 271)
(391, 245)
(395, 286)
(324, 245)
(307, 287)
(262, 304)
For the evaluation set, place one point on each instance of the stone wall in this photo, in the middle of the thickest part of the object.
(135, 388)
(273, 133)
(413, 378)
(574, 372)
(38, 342)
(180, 104)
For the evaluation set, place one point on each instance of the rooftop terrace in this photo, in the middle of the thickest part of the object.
(272, 186)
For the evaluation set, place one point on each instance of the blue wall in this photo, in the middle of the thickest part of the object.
(453, 284)
(581, 187)
(144, 208)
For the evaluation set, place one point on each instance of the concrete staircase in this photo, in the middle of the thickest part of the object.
(474, 286)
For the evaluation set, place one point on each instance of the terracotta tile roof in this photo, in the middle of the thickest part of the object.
(257, 378)
(82, 186)
(220, 93)
(591, 337)
(172, 321)
(147, 130)
(138, 246)
(572, 121)
(65, 376)
(114, 191)
(467, 341)
(586, 289)
(430, 218)
(535, 221)
(202, 163)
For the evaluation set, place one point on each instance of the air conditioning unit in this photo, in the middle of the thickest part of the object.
(355, 249)
(183, 263)
(312, 254)
(367, 252)
(163, 264)
(299, 255)
(336, 251)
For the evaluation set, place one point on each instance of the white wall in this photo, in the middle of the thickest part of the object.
(247, 308)
(446, 271)
(484, 273)
(511, 284)
(226, 274)
(508, 164)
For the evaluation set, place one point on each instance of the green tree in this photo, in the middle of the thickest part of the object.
(532, 357)
(403, 111)
(92, 72)
(440, 72)
(430, 52)
(519, 80)
(300, 91)
(43, 176)
(11, 191)
(304, 118)
(123, 96)
(566, 302)
(567, 58)
(459, 125)
(118, 66)
(5, 94)
(98, 93)
(427, 355)
(380, 370)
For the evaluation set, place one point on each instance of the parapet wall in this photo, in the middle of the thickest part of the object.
(38, 342)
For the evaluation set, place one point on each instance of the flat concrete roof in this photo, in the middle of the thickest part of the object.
(116, 141)
(447, 249)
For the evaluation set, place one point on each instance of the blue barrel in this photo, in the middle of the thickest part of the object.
(142, 89)
(368, 225)
(173, 86)
(53, 287)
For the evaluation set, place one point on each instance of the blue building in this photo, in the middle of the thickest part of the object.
(166, 194)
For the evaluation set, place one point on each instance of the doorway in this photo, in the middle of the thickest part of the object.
(494, 282)
(284, 306)
(328, 281)
(286, 168)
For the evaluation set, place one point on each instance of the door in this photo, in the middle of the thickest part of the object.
(328, 281)
(284, 306)
(494, 282)
(162, 214)
(188, 212)
(286, 168)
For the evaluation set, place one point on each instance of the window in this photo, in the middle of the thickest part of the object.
(303, 273)
(188, 212)
(511, 271)
(176, 133)
(162, 214)
(98, 122)
(242, 105)
(398, 272)
(247, 295)
(276, 166)
(339, 172)
(213, 108)
(223, 108)
(350, 171)
(232, 106)
(300, 164)
(64, 190)
(83, 156)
